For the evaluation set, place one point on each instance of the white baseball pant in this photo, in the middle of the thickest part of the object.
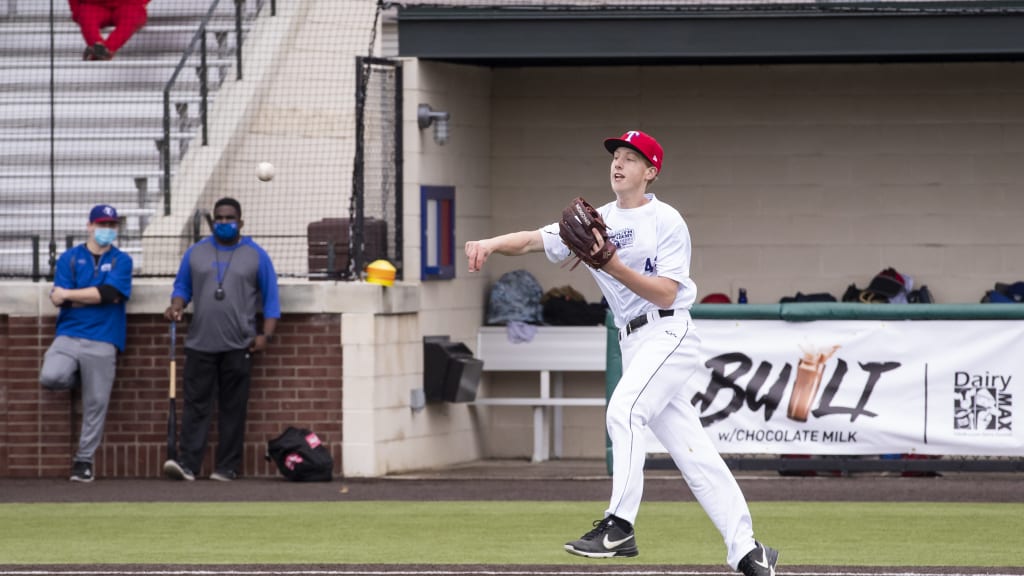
(658, 359)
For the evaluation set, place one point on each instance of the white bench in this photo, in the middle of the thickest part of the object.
(553, 351)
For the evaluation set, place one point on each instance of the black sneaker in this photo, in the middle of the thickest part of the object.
(604, 541)
(100, 52)
(228, 476)
(760, 561)
(175, 471)
(81, 472)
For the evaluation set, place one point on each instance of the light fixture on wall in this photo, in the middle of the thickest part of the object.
(427, 116)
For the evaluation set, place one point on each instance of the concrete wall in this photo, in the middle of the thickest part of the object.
(449, 307)
(347, 357)
(792, 178)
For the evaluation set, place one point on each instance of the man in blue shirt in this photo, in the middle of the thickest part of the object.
(91, 285)
(227, 278)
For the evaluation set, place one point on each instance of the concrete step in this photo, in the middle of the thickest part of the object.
(101, 97)
(102, 115)
(110, 150)
(95, 76)
(90, 131)
(27, 44)
(120, 192)
(36, 10)
(70, 66)
(40, 170)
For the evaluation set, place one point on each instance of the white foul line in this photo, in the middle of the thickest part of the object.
(413, 572)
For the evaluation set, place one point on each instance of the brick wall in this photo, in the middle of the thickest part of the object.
(297, 382)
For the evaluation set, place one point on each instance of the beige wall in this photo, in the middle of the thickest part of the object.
(791, 178)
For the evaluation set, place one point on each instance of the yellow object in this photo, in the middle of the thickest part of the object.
(380, 272)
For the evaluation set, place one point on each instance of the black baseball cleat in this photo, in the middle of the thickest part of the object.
(228, 476)
(175, 471)
(606, 540)
(81, 472)
(760, 561)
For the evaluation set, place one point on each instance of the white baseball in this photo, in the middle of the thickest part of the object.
(265, 171)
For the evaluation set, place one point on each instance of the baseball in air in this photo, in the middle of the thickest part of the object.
(265, 171)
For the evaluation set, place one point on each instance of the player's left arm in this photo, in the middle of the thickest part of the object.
(267, 279)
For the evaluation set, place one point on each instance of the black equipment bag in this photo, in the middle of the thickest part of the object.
(301, 456)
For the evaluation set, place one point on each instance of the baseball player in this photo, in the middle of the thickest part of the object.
(638, 250)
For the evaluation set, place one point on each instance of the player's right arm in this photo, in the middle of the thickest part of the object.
(181, 293)
(512, 244)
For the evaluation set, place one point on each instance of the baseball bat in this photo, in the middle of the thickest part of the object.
(172, 417)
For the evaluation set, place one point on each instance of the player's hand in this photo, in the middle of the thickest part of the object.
(57, 296)
(259, 344)
(477, 252)
(173, 313)
(599, 244)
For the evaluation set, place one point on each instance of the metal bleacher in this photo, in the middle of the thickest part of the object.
(104, 144)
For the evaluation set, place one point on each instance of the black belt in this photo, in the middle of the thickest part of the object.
(640, 321)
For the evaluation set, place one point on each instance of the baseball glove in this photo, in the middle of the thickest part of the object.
(579, 220)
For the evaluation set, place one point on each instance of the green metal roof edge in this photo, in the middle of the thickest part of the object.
(810, 311)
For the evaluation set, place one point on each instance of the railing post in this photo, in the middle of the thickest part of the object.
(203, 85)
(238, 37)
(165, 154)
(355, 237)
(399, 155)
(36, 275)
(196, 224)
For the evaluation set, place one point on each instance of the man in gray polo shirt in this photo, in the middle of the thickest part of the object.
(228, 278)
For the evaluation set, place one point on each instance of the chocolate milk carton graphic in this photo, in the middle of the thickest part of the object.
(808, 378)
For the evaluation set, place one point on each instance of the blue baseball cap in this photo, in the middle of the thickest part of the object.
(103, 213)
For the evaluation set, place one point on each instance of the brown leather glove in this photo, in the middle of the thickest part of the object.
(579, 220)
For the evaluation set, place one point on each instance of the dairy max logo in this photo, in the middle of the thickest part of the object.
(982, 403)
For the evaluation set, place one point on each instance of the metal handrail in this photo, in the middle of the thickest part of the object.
(198, 39)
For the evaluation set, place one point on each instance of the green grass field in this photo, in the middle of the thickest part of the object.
(830, 533)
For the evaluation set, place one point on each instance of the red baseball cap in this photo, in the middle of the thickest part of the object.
(647, 146)
(716, 298)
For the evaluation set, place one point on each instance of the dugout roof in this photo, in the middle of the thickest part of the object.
(697, 32)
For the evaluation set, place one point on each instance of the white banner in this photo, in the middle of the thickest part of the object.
(861, 387)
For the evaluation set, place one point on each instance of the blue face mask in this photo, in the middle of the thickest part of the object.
(104, 236)
(225, 230)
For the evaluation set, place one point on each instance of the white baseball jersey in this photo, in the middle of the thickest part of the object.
(657, 360)
(652, 239)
